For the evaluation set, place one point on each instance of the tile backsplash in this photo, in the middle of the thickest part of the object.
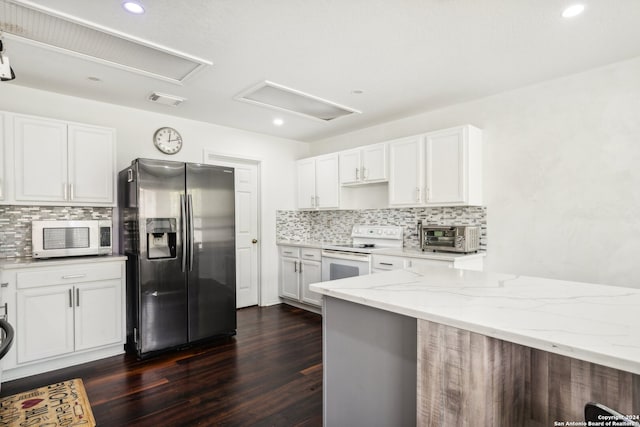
(15, 224)
(335, 225)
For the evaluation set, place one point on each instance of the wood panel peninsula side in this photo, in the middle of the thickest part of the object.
(434, 346)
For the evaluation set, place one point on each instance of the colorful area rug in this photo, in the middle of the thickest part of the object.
(56, 405)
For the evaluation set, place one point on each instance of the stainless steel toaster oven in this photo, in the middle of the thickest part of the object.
(462, 239)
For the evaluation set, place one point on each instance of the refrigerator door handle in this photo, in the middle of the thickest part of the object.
(190, 209)
(183, 226)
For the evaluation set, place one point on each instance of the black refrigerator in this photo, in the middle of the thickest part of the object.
(177, 228)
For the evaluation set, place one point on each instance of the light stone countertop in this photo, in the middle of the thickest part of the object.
(404, 252)
(307, 243)
(416, 253)
(9, 263)
(595, 323)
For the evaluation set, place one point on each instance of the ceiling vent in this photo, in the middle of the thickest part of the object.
(282, 98)
(33, 24)
(164, 99)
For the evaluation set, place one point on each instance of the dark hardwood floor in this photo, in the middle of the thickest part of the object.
(269, 374)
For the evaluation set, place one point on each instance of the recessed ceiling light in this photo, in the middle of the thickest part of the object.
(133, 7)
(357, 92)
(573, 10)
(278, 122)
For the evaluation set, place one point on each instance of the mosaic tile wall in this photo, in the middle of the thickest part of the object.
(335, 226)
(15, 224)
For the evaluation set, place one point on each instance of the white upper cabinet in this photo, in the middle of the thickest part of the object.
(318, 185)
(350, 167)
(62, 163)
(91, 160)
(306, 183)
(327, 188)
(405, 171)
(442, 168)
(364, 165)
(453, 167)
(40, 147)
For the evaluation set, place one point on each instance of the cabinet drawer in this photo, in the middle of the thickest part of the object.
(68, 274)
(289, 251)
(417, 262)
(311, 254)
(381, 262)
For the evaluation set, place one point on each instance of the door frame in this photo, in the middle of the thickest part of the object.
(211, 157)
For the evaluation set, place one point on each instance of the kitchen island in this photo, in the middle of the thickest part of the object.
(436, 347)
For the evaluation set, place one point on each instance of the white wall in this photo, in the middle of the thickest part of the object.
(561, 177)
(135, 129)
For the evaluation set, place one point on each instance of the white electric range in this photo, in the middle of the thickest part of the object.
(341, 261)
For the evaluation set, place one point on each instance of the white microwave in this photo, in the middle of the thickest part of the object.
(71, 238)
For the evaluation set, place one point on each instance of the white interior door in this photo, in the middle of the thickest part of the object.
(247, 228)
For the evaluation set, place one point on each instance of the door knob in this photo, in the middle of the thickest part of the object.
(254, 241)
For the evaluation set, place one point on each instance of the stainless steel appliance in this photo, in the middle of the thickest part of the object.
(340, 261)
(70, 238)
(178, 232)
(463, 239)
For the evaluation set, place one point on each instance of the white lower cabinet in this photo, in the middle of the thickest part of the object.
(45, 323)
(383, 263)
(299, 268)
(98, 314)
(311, 272)
(387, 263)
(289, 278)
(63, 315)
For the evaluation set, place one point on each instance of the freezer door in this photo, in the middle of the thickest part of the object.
(211, 265)
(162, 288)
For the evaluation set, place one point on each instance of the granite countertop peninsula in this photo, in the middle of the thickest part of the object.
(9, 263)
(590, 322)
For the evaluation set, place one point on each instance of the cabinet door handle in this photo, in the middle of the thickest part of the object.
(317, 201)
(386, 263)
(74, 276)
(70, 298)
(300, 267)
(64, 191)
(4, 284)
(357, 174)
(287, 252)
(312, 200)
(295, 266)
(70, 191)
(77, 297)
(364, 173)
(418, 194)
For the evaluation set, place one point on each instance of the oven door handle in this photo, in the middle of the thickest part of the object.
(347, 256)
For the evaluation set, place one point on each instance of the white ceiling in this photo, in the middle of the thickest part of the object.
(407, 56)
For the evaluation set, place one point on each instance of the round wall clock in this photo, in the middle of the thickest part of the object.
(167, 140)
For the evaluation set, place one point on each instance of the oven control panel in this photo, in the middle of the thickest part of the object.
(377, 231)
